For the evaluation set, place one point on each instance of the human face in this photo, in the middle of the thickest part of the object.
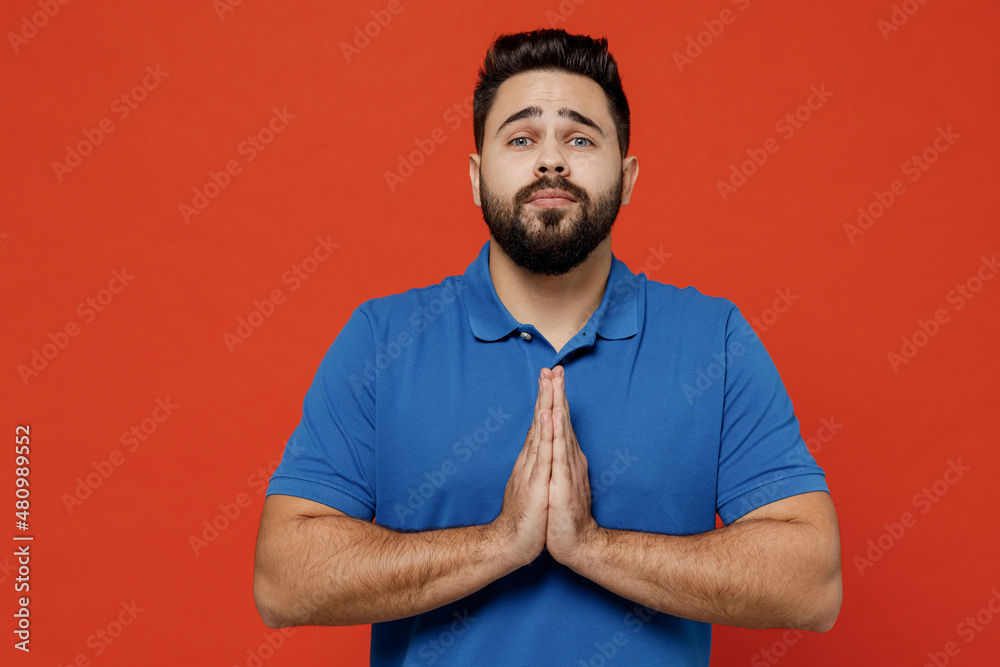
(550, 131)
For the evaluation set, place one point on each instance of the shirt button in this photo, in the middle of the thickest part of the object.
(525, 335)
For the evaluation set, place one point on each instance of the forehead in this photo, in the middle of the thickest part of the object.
(549, 90)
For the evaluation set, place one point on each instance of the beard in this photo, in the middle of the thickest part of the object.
(563, 237)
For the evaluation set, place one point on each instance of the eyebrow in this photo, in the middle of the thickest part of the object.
(535, 112)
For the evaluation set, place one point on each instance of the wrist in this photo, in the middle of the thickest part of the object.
(590, 550)
(498, 548)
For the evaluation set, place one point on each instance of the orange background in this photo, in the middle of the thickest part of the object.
(324, 175)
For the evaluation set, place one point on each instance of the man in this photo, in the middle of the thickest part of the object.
(648, 409)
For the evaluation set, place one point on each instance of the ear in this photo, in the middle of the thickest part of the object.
(630, 172)
(474, 162)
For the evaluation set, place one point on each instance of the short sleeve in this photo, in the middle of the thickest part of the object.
(330, 456)
(762, 457)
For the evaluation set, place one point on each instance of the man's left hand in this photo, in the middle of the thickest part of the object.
(571, 526)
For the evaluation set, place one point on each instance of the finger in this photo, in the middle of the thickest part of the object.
(547, 402)
(531, 439)
(559, 396)
(538, 405)
(544, 403)
(561, 402)
(560, 458)
(543, 462)
(571, 442)
(534, 444)
(538, 398)
(567, 444)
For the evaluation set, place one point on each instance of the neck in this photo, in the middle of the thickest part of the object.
(558, 306)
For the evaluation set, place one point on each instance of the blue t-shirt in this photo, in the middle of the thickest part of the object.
(423, 401)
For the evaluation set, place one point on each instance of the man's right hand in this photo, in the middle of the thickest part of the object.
(520, 528)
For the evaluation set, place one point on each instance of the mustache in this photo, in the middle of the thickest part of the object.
(555, 183)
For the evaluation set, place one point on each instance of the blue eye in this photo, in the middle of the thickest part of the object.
(589, 142)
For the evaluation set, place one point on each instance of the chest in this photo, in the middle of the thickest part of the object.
(447, 436)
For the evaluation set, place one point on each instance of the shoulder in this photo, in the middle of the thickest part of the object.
(415, 304)
(686, 307)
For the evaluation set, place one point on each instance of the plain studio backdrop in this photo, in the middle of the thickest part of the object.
(197, 194)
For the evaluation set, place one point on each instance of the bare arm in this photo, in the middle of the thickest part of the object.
(776, 567)
(315, 565)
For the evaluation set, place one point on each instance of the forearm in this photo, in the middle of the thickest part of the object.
(754, 573)
(335, 570)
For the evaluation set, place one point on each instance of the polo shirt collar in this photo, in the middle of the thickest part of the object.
(489, 319)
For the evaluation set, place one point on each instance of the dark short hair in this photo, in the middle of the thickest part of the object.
(552, 50)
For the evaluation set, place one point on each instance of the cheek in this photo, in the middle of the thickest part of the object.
(593, 173)
(497, 182)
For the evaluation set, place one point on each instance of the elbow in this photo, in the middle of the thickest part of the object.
(826, 599)
(282, 607)
(819, 594)
(265, 599)
(827, 592)
(830, 609)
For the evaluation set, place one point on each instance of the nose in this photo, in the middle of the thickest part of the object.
(551, 159)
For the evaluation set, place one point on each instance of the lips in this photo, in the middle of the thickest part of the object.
(552, 194)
